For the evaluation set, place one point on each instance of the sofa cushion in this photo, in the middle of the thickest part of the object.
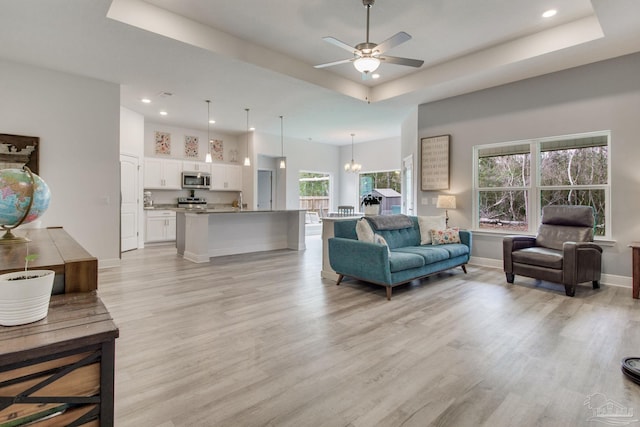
(539, 256)
(446, 236)
(455, 249)
(364, 231)
(430, 253)
(379, 240)
(399, 261)
(402, 237)
(428, 223)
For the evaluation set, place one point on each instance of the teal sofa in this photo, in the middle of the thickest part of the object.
(405, 260)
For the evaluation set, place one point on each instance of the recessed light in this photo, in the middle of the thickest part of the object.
(375, 76)
(549, 13)
(252, 128)
(212, 121)
(146, 100)
(163, 113)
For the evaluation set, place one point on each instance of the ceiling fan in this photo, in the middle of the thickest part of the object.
(367, 56)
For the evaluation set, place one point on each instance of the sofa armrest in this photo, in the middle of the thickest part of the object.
(514, 243)
(466, 238)
(355, 258)
(582, 262)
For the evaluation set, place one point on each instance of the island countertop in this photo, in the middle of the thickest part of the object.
(205, 233)
(232, 210)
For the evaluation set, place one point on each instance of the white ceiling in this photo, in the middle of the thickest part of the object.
(260, 54)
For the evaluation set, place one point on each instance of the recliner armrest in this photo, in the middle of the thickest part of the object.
(582, 261)
(514, 243)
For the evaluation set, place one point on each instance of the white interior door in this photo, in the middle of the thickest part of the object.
(265, 191)
(407, 191)
(129, 202)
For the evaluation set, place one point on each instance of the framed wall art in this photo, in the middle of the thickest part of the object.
(216, 148)
(434, 155)
(191, 146)
(163, 143)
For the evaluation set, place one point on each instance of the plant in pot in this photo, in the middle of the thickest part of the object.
(371, 204)
(24, 295)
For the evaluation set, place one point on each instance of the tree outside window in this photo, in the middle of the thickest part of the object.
(515, 180)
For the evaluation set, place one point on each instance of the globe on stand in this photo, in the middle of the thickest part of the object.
(24, 197)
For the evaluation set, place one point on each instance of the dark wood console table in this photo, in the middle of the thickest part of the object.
(61, 367)
(76, 269)
(635, 248)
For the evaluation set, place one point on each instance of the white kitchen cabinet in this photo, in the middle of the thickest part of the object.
(160, 226)
(196, 167)
(226, 177)
(162, 174)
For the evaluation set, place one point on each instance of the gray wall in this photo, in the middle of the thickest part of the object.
(77, 120)
(600, 96)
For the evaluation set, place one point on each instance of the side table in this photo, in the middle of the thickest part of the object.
(60, 370)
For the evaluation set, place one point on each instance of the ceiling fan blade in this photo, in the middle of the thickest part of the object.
(330, 64)
(340, 44)
(392, 42)
(402, 61)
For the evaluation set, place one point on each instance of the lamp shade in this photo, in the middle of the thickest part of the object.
(366, 64)
(446, 202)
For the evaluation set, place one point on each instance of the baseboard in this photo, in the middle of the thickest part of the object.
(605, 279)
(108, 263)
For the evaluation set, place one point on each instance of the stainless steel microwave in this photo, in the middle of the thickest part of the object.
(196, 180)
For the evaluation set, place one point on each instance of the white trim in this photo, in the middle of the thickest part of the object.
(108, 263)
(605, 279)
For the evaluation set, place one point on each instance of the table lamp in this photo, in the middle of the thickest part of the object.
(446, 202)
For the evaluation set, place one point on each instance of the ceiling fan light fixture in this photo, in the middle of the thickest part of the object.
(366, 64)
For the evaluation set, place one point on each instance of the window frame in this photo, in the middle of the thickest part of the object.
(535, 188)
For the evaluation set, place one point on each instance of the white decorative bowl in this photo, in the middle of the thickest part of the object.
(26, 300)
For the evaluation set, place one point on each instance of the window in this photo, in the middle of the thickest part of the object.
(372, 180)
(513, 181)
(314, 192)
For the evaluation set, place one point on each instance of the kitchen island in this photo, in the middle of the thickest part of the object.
(205, 233)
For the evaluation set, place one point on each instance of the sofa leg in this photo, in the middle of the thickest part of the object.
(596, 285)
(569, 290)
(510, 277)
(464, 268)
(340, 277)
(389, 293)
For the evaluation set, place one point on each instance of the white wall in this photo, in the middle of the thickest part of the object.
(177, 142)
(301, 155)
(409, 147)
(77, 121)
(600, 96)
(380, 155)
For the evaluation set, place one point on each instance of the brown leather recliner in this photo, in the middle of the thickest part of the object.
(562, 252)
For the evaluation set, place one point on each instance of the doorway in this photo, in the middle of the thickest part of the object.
(407, 182)
(265, 190)
(129, 206)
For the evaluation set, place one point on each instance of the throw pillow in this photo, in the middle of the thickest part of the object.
(443, 237)
(364, 231)
(428, 223)
(378, 239)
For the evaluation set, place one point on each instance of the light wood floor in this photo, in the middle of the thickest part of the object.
(261, 340)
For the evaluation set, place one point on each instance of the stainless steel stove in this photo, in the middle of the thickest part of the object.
(192, 202)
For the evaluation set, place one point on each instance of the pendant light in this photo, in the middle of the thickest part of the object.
(247, 161)
(352, 167)
(283, 165)
(208, 158)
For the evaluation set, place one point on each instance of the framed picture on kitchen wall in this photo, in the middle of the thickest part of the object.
(163, 143)
(191, 146)
(216, 148)
(434, 156)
